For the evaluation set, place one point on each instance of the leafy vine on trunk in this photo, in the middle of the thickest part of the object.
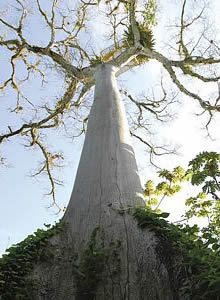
(91, 270)
(19, 261)
(200, 264)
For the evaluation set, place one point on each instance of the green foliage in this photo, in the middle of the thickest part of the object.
(90, 271)
(146, 39)
(201, 263)
(178, 175)
(204, 171)
(206, 166)
(96, 60)
(19, 261)
(147, 218)
(149, 14)
(200, 248)
(149, 10)
(146, 36)
(168, 187)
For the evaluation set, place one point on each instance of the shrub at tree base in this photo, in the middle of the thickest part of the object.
(20, 260)
(201, 264)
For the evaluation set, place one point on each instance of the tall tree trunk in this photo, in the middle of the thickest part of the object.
(107, 175)
(102, 254)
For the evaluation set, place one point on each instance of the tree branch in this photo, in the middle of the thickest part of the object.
(49, 161)
(168, 65)
(62, 104)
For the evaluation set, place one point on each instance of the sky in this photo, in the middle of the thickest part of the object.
(24, 205)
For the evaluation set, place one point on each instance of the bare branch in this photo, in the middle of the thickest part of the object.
(183, 26)
(154, 150)
(18, 29)
(60, 107)
(49, 158)
(86, 88)
(156, 107)
(206, 105)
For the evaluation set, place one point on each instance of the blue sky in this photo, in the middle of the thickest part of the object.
(24, 206)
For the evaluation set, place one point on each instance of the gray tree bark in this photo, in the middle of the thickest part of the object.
(107, 175)
(137, 265)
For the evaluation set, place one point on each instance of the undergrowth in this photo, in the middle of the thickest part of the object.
(201, 263)
(19, 260)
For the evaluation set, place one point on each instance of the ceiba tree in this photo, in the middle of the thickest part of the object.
(125, 261)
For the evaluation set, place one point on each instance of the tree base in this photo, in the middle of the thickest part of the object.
(133, 265)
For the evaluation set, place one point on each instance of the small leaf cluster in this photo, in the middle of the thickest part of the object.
(148, 218)
(205, 165)
(91, 267)
(170, 185)
(146, 40)
(146, 36)
(204, 169)
(96, 60)
(149, 13)
(19, 260)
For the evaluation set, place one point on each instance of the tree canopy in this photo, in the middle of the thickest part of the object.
(59, 40)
